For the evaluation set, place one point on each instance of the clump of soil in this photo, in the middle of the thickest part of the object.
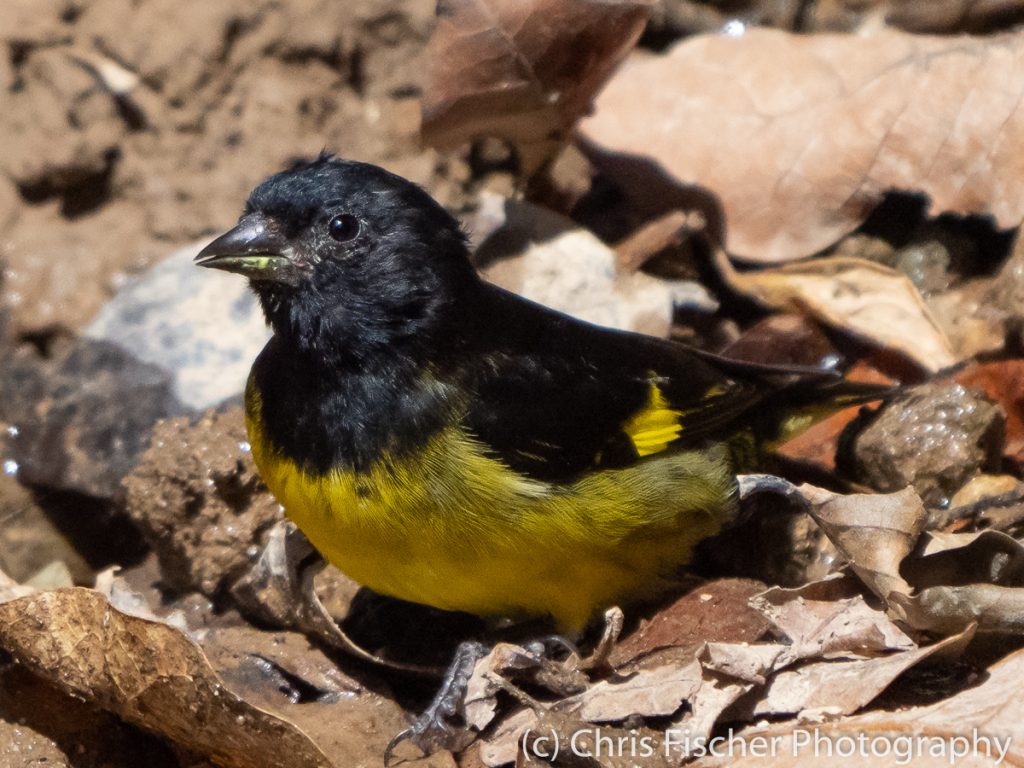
(130, 127)
(199, 502)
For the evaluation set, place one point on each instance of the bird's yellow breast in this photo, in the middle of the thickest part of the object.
(450, 526)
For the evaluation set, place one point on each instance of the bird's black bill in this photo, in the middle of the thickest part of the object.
(251, 249)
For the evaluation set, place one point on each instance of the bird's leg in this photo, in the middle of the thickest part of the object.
(433, 729)
(442, 725)
(613, 620)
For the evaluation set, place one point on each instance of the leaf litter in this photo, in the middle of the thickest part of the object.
(797, 139)
(147, 673)
(799, 136)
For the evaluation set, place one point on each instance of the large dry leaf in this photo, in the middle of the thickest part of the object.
(149, 674)
(982, 726)
(524, 70)
(648, 692)
(873, 532)
(715, 611)
(843, 686)
(940, 583)
(800, 136)
(967, 578)
(863, 298)
(829, 617)
(948, 609)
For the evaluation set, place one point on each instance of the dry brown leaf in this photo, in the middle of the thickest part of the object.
(42, 727)
(942, 558)
(984, 725)
(147, 673)
(743, 661)
(865, 299)
(501, 746)
(481, 704)
(799, 136)
(648, 692)
(948, 609)
(716, 694)
(523, 70)
(950, 15)
(746, 673)
(873, 532)
(829, 617)
(839, 687)
(715, 611)
(966, 578)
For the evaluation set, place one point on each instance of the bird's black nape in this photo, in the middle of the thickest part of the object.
(381, 266)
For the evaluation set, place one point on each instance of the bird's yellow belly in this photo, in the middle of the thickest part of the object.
(455, 529)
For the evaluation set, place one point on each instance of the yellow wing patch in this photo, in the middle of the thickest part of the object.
(654, 427)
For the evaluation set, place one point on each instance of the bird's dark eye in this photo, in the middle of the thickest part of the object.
(343, 227)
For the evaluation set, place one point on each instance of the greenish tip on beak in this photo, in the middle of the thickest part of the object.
(253, 250)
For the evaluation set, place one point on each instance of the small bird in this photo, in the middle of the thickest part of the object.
(447, 442)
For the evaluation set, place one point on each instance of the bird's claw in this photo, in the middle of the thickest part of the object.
(754, 485)
(434, 729)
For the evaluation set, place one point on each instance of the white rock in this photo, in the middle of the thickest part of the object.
(203, 326)
(552, 260)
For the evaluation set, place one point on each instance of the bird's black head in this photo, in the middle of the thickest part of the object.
(348, 259)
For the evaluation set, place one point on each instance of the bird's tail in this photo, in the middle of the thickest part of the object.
(803, 404)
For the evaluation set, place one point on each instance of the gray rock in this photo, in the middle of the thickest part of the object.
(550, 259)
(78, 423)
(935, 438)
(203, 326)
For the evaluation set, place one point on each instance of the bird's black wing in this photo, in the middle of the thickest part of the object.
(553, 397)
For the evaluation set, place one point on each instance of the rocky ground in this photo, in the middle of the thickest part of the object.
(775, 193)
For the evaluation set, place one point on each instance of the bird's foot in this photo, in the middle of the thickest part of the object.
(755, 485)
(443, 725)
(439, 726)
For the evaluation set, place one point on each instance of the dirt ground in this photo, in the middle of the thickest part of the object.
(145, 617)
(132, 128)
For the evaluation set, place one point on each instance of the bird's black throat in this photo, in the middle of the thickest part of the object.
(327, 414)
(342, 385)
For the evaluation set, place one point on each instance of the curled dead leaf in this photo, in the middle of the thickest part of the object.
(873, 532)
(647, 692)
(948, 609)
(865, 299)
(523, 70)
(842, 686)
(149, 674)
(983, 725)
(966, 578)
(829, 617)
(799, 136)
